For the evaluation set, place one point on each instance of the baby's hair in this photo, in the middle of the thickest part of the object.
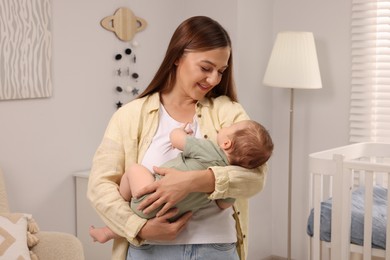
(252, 146)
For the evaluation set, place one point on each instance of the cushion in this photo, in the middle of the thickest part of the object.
(17, 236)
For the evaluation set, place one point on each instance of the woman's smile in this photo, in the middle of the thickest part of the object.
(204, 87)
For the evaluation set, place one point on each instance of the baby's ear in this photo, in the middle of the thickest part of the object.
(227, 144)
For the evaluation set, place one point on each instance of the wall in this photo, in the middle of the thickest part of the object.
(43, 141)
(254, 43)
(320, 116)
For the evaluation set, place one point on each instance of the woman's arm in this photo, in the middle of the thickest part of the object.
(219, 182)
(174, 187)
(238, 182)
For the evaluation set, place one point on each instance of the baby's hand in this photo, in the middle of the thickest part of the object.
(178, 136)
(187, 128)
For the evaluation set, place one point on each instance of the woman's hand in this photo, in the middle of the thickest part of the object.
(168, 191)
(159, 228)
(173, 187)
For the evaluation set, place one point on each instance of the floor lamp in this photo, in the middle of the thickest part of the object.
(293, 64)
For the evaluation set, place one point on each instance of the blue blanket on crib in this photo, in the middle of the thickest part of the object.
(379, 218)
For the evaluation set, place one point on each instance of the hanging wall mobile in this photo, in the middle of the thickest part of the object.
(125, 25)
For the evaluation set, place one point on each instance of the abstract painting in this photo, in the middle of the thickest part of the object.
(25, 49)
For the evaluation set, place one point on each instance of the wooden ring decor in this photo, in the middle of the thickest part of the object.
(124, 24)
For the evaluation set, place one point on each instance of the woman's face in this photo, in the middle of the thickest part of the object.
(199, 72)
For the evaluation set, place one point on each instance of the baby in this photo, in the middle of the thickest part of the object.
(245, 143)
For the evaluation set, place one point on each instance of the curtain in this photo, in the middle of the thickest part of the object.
(370, 79)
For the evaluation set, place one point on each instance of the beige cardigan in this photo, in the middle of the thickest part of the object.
(126, 140)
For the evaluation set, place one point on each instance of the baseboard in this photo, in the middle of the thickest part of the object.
(274, 257)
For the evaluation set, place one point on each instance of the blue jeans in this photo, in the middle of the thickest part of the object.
(183, 252)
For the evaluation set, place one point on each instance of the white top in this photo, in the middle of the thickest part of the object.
(207, 225)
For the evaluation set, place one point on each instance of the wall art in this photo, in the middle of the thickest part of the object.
(127, 76)
(124, 24)
(25, 49)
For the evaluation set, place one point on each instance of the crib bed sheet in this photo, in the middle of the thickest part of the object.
(379, 218)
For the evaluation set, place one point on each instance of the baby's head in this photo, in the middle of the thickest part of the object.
(246, 143)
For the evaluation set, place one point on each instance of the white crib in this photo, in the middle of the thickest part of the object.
(335, 174)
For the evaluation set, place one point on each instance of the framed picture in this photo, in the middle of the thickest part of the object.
(25, 49)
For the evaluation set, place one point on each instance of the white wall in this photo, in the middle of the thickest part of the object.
(254, 34)
(43, 141)
(321, 116)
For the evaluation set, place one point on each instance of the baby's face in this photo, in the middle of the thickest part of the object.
(226, 132)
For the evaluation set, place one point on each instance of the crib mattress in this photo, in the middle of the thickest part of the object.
(379, 218)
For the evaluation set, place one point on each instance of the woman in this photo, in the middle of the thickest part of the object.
(193, 84)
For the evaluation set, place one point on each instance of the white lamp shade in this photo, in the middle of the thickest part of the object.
(293, 62)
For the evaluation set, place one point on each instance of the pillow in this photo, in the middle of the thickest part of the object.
(17, 236)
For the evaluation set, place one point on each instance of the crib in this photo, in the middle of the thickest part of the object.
(341, 180)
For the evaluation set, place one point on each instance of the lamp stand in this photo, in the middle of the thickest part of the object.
(290, 145)
(293, 64)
